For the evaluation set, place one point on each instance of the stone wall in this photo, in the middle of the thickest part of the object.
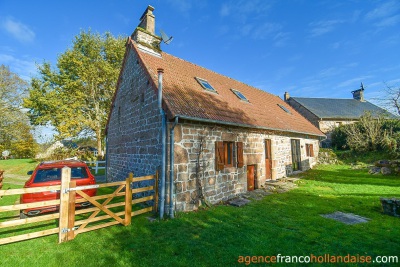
(133, 139)
(304, 112)
(327, 126)
(195, 171)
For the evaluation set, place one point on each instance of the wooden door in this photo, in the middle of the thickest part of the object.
(268, 159)
(296, 154)
(250, 177)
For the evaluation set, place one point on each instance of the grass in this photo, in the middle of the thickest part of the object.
(287, 224)
(18, 166)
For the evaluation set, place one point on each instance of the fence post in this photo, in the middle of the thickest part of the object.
(156, 193)
(64, 204)
(97, 167)
(128, 200)
(1, 178)
(71, 211)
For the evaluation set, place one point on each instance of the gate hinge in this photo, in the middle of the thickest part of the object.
(66, 230)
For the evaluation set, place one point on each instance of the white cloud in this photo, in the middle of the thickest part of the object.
(390, 21)
(18, 30)
(225, 10)
(354, 81)
(281, 39)
(25, 68)
(384, 10)
(385, 15)
(323, 27)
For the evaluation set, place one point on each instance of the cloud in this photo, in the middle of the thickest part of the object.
(25, 68)
(265, 29)
(390, 21)
(244, 9)
(354, 81)
(225, 10)
(322, 27)
(18, 30)
(383, 11)
(385, 15)
(281, 39)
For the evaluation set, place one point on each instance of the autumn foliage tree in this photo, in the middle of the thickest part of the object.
(15, 131)
(75, 97)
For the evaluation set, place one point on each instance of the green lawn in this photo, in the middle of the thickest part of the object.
(287, 224)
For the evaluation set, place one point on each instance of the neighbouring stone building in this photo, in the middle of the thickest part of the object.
(227, 137)
(328, 113)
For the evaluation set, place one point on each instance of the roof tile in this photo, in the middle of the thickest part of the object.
(184, 96)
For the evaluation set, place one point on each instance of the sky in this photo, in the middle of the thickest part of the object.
(308, 48)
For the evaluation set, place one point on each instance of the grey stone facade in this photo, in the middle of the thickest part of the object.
(195, 171)
(133, 139)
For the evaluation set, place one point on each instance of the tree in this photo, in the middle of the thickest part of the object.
(366, 134)
(76, 96)
(392, 98)
(15, 134)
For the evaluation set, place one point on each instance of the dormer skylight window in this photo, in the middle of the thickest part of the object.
(239, 95)
(206, 85)
(284, 108)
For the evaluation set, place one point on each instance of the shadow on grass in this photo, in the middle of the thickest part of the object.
(288, 224)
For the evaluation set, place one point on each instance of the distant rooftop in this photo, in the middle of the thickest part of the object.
(331, 108)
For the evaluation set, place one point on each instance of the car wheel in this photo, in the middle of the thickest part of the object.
(23, 215)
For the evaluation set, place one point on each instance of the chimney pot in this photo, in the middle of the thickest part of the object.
(147, 20)
(286, 96)
(359, 94)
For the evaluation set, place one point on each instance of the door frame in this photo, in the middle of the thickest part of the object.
(296, 154)
(268, 158)
(254, 179)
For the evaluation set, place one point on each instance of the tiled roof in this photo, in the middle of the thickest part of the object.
(186, 98)
(331, 108)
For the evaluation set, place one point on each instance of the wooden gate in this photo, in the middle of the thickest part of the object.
(103, 209)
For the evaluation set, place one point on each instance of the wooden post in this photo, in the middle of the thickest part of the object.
(71, 211)
(63, 223)
(156, 193)
(128, 200)
(1, 178)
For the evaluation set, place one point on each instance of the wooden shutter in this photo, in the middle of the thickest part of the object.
(219, 156)
(239, 150)
(311, 150)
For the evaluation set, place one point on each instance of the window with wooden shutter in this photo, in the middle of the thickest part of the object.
(311, 150)
(228, 154)
(219, 156)
(240, 154)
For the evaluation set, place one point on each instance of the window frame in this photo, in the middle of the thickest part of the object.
(228, 154)
(202, 81)
(310, 150)
(238, 93)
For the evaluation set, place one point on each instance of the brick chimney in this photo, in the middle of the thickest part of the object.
(286, 96)
(359, 94)
(144, 34)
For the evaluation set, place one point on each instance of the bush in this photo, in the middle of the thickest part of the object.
(339, 138)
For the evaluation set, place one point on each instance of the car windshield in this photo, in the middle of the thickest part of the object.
(54, 174)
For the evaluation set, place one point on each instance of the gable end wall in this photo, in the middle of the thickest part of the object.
(134, 129)
(304, 112)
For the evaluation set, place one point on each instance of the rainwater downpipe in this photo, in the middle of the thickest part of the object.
(163, 142)
(171, 168)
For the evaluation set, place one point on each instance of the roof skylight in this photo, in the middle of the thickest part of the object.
(284, 108)
(239, 95)
(206, 85)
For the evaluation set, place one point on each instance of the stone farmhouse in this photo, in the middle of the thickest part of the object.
(211, 137)
(328, 113)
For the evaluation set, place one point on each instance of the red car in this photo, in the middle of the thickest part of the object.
(49, 173)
